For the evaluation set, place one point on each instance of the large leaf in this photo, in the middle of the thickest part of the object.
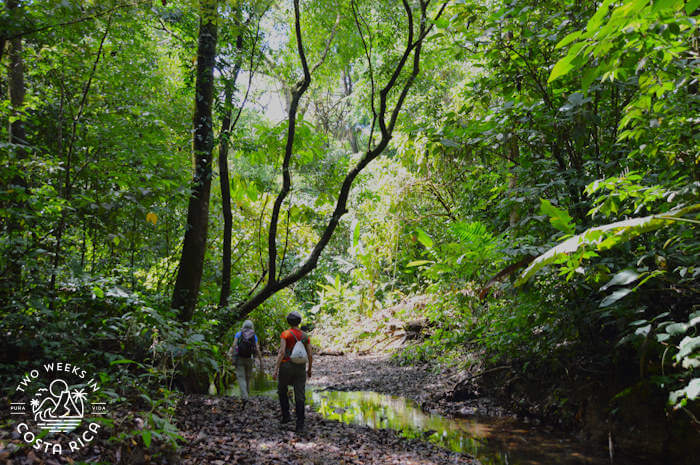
(693, 389)
(615, 296)
(424, 238)
(561, 68)
(356, 234)
(622, 278)
(558, 217)
(687, 346)
(418, 263)
(604, 237)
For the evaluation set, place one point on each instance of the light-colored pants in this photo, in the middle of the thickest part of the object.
(244, 371)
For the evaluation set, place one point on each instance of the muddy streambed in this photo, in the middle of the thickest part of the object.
(492, 440)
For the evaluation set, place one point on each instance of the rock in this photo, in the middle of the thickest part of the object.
(467, 411)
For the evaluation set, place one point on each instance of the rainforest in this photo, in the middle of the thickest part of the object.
(485, 213)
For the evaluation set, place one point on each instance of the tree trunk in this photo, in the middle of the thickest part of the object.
(16, 90)
(225, 204)
(18, 138)
(224, 177)
(189, 274)
(351, 131)
(514, 156)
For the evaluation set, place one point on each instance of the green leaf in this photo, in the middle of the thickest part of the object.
(691, 6)
(693, 388)
(589, 76)
(146, 436)
(418, 263)
(660, 5)
(423, 238)
(356, 234)
(604, 237)
(568, 39)
(558, 217)
(597, 19)
(98, 292)
(561, 68)
(622, 278)
(614, 297)
(687, 346)
(122, 361)
(674, 329)
(643, 331)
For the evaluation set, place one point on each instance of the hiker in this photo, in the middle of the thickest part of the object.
(245, 345)
(290, 369)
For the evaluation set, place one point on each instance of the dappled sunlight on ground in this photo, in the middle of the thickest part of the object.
(228, 432)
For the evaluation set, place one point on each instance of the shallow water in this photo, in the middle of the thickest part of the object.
(261, 385)
(492, 440)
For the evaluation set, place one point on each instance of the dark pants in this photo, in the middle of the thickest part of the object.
(293, 374)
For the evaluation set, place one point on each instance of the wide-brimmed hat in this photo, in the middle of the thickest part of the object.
(248, 324)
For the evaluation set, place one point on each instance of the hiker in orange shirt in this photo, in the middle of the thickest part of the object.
(294, 353)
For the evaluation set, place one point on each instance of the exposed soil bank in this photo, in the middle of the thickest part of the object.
(380, 374)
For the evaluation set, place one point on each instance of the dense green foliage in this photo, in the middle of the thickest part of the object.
(540, 187)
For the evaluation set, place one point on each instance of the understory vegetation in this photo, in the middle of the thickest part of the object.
(516, 179)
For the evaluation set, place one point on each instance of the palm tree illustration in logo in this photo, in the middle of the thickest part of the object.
(61, 410)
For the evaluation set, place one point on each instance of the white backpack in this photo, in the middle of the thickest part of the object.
(298, 354)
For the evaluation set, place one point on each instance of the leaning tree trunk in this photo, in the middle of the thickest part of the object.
(189, 274)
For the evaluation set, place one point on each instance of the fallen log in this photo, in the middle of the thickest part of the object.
(332, 353)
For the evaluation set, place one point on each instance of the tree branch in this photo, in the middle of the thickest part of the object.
(260, 221)
(368, 54)
(83, 99)
(328, 44)
(297, 92)
(273, 285)
(286, 239)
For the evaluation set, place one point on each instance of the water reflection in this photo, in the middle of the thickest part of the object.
(261, 385)
(494, 441)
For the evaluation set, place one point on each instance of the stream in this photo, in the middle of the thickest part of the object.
(492, 440)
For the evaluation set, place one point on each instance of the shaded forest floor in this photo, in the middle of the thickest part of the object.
(222, 431)
(218, 430)
(375, 373)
